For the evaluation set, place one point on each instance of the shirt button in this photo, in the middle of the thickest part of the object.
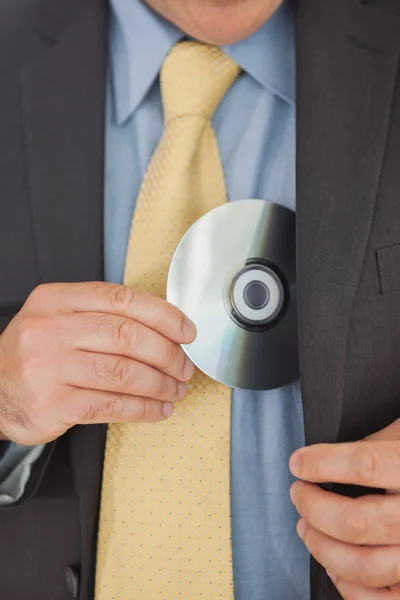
(72, 579)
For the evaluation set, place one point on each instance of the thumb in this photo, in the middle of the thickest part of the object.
(389, 434)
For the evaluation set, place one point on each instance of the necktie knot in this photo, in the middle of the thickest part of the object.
(194, 79)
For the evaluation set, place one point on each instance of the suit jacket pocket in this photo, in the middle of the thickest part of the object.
(389, 268)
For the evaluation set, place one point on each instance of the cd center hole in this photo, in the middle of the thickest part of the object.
(256, 295)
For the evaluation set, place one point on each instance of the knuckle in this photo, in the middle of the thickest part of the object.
(121, 297)
(376, 571)
(100, 325)
(114, 405)
(39, 293)
(365, 462)
(121, 372)
(34, 346)
(31, 330)
(389, 523)
(118, 372)
(392, 456)
(170, 356)
(125, 334)
(148, 411)
(28, 333)
(392, 576)
(90, 413)
(34, 372)
(144, 410)
(356, 527)
(99, 287)
(163, 387)
(396, 446)
(28, 367)
(365, 572)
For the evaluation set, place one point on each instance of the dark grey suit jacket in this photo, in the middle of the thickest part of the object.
(52, 82)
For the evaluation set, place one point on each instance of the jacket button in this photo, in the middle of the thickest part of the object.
(72, 578)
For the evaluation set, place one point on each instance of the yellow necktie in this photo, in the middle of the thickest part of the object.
(164, 527)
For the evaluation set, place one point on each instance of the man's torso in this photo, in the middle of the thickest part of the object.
(348, 224)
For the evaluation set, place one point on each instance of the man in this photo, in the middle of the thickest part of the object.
(81, 103)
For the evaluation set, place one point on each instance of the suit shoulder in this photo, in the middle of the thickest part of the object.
(17, 19)
(16, 13)
(22, 20)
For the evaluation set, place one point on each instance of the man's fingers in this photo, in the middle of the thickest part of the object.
(109, 373)
(99, 332)
(365, 463)
(370, 566)
(94, 406)
(351, 591)
(118, 300)
(369, 520)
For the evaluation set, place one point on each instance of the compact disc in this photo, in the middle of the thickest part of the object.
(234, 275)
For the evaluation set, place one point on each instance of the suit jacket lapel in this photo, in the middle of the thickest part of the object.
(63, 92)
(87, 454)
(347, 65)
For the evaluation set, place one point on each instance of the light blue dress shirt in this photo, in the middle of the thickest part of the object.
(255, 129)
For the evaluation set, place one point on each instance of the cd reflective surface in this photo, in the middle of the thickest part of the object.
(234, 275)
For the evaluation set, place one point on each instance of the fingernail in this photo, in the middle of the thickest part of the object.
(332, 576)
(182, 390)
(189, 330)
(295, 464)
(168, 408)
(301, 528)
(188, 369)
(293, 494)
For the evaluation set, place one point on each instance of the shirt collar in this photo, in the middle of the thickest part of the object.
(139, 36)
(140, 39)
(269, 54)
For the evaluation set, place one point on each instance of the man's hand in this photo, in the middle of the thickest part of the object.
(356, 540)
(90, 353)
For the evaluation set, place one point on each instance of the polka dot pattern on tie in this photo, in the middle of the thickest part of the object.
(165, 509)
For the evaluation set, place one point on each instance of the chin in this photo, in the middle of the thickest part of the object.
(218, 22)
(220, 35)
(225, 22)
